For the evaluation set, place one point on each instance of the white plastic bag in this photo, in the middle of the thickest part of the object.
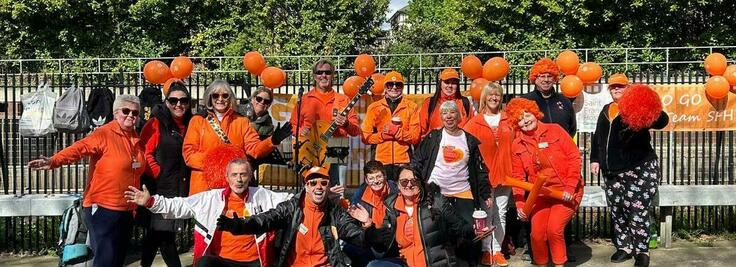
(38, 112)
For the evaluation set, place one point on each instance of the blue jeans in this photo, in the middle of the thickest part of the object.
(387, 262)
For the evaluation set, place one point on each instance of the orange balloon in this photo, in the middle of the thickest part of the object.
(167, 85)
(477, 87)
(568, 62)
(364, 65)
(715, 64)
(717, 87)
(495, 69)
(472, 67)
(273, 77)
(571, 86)
(181, 67)
(590, 72)
(351, 85)
(730, 75)
(254, 62)
(378, 85)
(156, 72)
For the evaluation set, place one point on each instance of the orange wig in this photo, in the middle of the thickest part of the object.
(544, 65)
(516, 108)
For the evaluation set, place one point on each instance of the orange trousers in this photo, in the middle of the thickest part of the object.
(549, 218)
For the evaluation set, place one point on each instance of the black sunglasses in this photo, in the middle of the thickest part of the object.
(394, 84)
(264, 101)
(406, 182)
(322, 182)
(127, 111)
(321, 72)
(174, 100)
(222, 96)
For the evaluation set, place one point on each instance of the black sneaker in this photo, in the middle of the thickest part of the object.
(620, 256)
(642, 260)
(570, 256)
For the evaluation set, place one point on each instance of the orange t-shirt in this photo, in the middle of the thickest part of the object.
(308, 249)
(612, 111)
(408, 236)
(235, 247)
(376, 200)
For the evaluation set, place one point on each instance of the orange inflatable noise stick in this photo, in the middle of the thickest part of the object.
(556, 194)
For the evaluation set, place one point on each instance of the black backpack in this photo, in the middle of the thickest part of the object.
(99, 106)
(149, 97)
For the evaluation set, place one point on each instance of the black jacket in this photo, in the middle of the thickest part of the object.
(618, 149)
(288, 215)
(557, 109)
(440, 226)
(173, 180)
(426, 155)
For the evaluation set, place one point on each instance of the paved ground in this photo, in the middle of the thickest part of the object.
(719, 253)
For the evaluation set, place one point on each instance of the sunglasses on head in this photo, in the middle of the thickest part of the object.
(174, 100)
(127, 111)
(323, 72)
(408, 182)
(264, 101)
(322, 182)
(221, 96)
(394, 85)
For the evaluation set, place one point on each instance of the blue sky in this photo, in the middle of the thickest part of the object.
(392, 7)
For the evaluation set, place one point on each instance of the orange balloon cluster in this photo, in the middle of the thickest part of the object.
(723, 77)
(273, 77)
(157, 72)
(477, 87)
(472, 67)
(590, 72)
(496, 69)
(378, 85)
(254, 62)
(365, 65)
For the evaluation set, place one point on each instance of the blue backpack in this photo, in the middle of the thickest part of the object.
(73, 237)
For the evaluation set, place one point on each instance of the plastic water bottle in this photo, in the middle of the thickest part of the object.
(653, 240)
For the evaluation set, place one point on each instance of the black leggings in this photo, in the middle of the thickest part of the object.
(216, 261)
(166, 240)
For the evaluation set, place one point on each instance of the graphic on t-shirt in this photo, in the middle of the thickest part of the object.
(452, 154)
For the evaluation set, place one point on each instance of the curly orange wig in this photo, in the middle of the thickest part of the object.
(516, 108)
(639, 107)
(216, 163)
(544, 65)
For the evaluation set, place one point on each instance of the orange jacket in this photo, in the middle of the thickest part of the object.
(411, 248)
(551, 147)
(111, 169)
(319, 106)
(378, 116)
(201, 138)
(495, 146)
(435, 122)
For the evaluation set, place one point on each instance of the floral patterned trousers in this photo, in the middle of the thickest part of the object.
(630, 195)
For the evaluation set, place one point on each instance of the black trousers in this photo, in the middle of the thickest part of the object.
(466, 251)
(166, 241)
(109, 233)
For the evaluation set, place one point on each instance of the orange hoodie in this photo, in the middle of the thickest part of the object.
(319, 106)
(495, 146)
(201, 138)
(111, 151)
(378, 116)
(435, 122)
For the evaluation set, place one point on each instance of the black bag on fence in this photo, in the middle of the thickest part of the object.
(99, 106)
(149, 97)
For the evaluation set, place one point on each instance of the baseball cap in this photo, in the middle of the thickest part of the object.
(393, 77)
(315, 172)
(618, 79)
(449, 73)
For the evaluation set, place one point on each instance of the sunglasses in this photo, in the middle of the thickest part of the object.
(394, 85)
(176, 100)
(264, 101)
(323, 72)
(221, 96)
(127, 111)
(321, 182)
(408, 182)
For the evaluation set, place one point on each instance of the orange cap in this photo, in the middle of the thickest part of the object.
(393, 77)
(618, 78)
(315, 172)
(449, 73)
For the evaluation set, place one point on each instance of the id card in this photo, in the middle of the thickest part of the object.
(136, 165)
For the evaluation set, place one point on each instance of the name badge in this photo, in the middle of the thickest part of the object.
(543, 145)
(303, 229)
(136, 165)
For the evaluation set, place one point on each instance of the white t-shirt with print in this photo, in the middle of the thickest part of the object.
(450, 171)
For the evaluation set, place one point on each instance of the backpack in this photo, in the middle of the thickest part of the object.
(70, 116)
(99, 106)
(73, 236)
(149, 97)
(38, 112)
